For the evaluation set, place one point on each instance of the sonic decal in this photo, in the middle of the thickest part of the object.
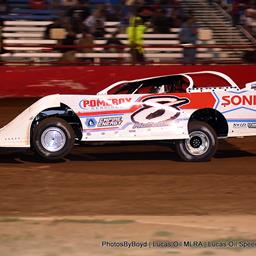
(236, 100)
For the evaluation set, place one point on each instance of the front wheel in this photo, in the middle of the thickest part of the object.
(201, 145)
(53, 138)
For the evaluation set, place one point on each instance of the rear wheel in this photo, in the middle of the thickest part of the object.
(53, 138)
(201, 145)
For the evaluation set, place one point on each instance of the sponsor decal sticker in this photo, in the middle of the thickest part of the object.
(251, 125)
(91, 122)
(110, 121)
(160, 124)
(236, 100)
(239, 125)
(98, 103)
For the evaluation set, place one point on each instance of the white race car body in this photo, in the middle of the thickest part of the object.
(137, 112)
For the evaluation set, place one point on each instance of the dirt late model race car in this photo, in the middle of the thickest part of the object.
(170, 108)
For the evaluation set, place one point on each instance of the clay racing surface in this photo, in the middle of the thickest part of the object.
(125, 192)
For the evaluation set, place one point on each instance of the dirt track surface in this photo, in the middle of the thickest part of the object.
(95, 236)
(127, 180)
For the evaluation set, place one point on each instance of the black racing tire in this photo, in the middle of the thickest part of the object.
(53, 138)
(201, 145)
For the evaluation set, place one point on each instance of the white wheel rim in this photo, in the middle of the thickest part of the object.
(197, 144)
(53, 139)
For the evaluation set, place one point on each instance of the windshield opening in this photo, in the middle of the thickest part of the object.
(167, 84)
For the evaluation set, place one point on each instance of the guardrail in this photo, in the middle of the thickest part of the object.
(102, 54)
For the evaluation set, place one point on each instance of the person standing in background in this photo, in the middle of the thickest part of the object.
(86, 43)
(188, 37)
(161, 24)
(77, 14)
(69, 53)
(135, 33)
(96, 23)
(1, 43)
(114, 41)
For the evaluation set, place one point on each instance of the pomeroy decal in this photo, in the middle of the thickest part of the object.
(94, 103)
(158, 110)
(110, 121)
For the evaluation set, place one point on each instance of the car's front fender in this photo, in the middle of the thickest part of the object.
(17, 132)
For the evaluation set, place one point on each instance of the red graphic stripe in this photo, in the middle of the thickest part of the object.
(197, 100)
(110, 112)
(103, 128)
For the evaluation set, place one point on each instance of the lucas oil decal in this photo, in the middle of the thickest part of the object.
(158, 110)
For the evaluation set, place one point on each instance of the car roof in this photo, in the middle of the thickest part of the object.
(188, 75)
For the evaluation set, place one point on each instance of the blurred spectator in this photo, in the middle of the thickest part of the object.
(57, 23)
(114, 44)
(113, 12)
(243, 12)
(188, 36)
(135, 33)
(68, 52)
(3, 7)
(176, 15)
(87, 42)
(1, 42)
(249, 20)
(250, 57)
(236, 12)
(145, 12)
(125, 14)
(54, 4)
(77, 15)
(160, 23)
(37, 4)
(68, 3)
(114, 41)
(96, 23)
